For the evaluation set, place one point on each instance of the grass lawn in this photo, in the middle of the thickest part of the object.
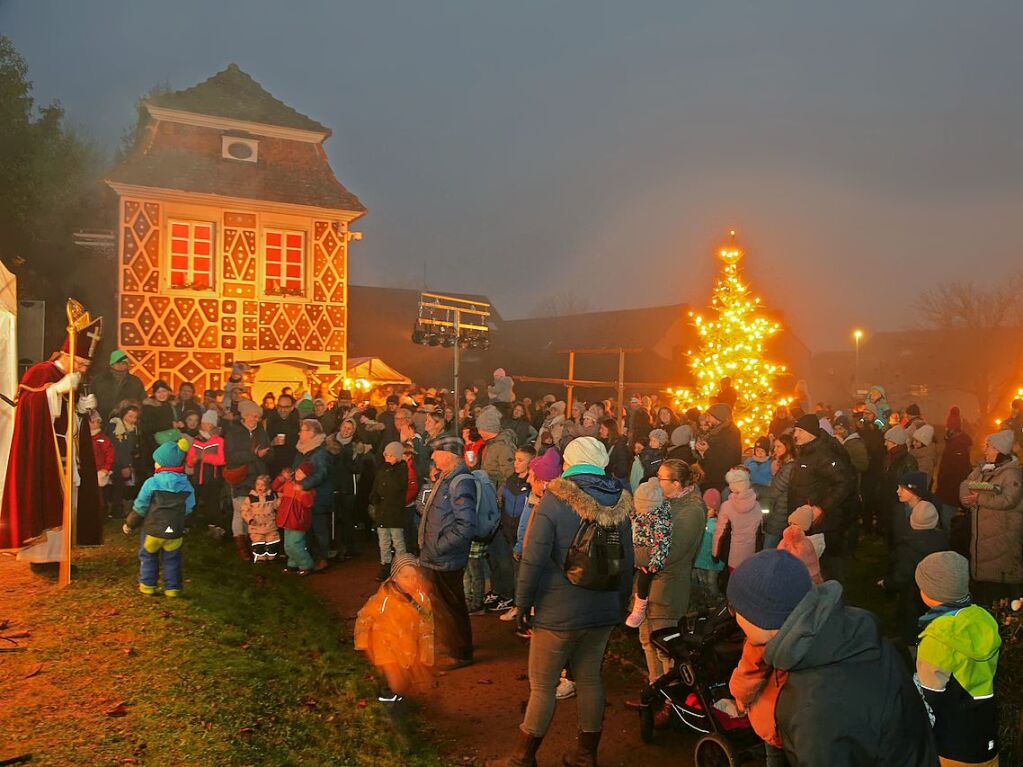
(248, 668)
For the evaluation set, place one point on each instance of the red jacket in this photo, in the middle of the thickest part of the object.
(209, 454)
(103, 450)
(413, 484)
(755, 687)
(294, 512)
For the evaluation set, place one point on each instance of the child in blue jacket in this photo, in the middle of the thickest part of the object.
(759, 464)
(160, 508)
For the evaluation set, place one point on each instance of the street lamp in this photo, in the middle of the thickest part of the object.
(857, 335)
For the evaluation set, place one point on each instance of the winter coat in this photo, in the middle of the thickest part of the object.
(856, 449)
(446, 528)
(208, 454)
(294, 505)
(542, 585)
(126, 446)
(724, 451)
(926, 457)
(395, 628)
(759, 471)
(651, 536)
(822, 478)
(163, 503)
(897, 462)
(103, 451)
(848, 700)
(260, 512)
(283, 455)
(955, 663)
(682, 453)
(954, 467)
(741, 512)
(705, 556)
(321, 480)
(619, 459)
(794, 541)
(156, 417)
(502, 390)
(388, 495)
(513, 498)
(996, 547)
(111, 391)
(499, 458)
(776, 498)
(240, 446)
(671, 587)
(651, 459)
(910, 550)
(523, 430)
(756, 686)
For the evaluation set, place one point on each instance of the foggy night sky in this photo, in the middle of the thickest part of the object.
(863, 150)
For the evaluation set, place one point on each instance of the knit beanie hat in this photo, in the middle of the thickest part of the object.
(661, 436)
(648, 496)
(306, 467)
(447, 444)
(738, 480)
(954, 420)
(916, 481)
(1000, 441)
(924, 516)
(211, 417)
(720, 411)
(171, 455)
(547, 466)
(589, 415)
(395, 450)
(682, 435)
(810, 424)
(764, 443)
(896, 434)
(802, 517)
(248, 407)
(944, 576)
(712, 498)
(489, 420)
(586, 450)
(160, 384)
(403, 560)
(766, 588)
(924, 435)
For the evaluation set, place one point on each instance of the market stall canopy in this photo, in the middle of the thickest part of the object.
(376, 371)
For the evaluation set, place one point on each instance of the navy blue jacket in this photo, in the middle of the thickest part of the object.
(445, 531)
(321, 480)
(542, 585)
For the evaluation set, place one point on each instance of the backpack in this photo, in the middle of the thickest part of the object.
(488, 514)
(594, 560)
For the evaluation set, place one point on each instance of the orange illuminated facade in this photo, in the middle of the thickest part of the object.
(233, 238)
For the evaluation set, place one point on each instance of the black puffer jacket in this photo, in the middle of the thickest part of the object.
(910, 550)
(849, 700)
(822, 477)
(388, 496)
(724, 452)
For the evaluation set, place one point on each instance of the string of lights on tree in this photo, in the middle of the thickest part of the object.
(732, 344)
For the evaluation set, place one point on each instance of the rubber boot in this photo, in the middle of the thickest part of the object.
(585, 751)
(524, 754)
(241, 546)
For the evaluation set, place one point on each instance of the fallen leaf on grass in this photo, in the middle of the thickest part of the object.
(128, 650)
(362, 703)
(164, 613)
(121, 709)
(38, 667)
(245, 645)
(484, 681)
(111, 612)
(310, 702)
(247, 730)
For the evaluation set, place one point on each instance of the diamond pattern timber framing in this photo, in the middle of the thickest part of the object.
(176, 335)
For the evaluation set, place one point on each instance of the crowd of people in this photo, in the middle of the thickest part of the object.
(569, 519)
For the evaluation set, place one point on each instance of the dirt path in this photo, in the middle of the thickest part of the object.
(475, 711)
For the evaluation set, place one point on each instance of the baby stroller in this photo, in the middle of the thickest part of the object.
(705, 649)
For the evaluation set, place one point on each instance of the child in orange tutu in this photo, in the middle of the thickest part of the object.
(395, 630)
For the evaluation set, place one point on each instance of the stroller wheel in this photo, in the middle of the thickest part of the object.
(714, 751)
(646, 724)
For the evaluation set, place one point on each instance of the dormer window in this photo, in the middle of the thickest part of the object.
(241, 149)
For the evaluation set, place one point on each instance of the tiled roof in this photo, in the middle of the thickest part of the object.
(235, 95)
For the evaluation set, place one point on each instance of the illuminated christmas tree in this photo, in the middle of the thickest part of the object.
(732, 344)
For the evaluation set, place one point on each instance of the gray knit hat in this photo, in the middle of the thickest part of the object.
(648, 496)
(403, 560)
(924, 516)
(944, 576)
(682, 435)
(394, 449)
(489, 420)
(661, 436)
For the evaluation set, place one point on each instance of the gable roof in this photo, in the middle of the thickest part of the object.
(233, 93)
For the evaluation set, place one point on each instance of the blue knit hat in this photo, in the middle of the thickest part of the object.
(917, 481)
(766, 588)
(171, 455)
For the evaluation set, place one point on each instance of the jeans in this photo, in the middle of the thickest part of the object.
(320, 548)
(150, 553)
(295, 548)
(502, 569)
(771, 541)
(475, 579)
(388, 536)
(549, 651)
(344, 506)
(454, 631)
(412, 529)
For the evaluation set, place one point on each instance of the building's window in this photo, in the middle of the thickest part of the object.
(919, 390)
(191, 254)
(285, 263)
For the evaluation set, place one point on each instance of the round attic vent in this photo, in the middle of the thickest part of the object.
(239, 150)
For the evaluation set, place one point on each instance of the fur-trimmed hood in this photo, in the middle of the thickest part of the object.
(586, 506)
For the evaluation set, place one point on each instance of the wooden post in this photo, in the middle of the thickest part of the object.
(619, 416)
(67, 534)
(569, 387)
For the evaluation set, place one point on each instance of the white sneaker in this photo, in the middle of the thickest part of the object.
(566, 688)
(510, 615)
(638, 614)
